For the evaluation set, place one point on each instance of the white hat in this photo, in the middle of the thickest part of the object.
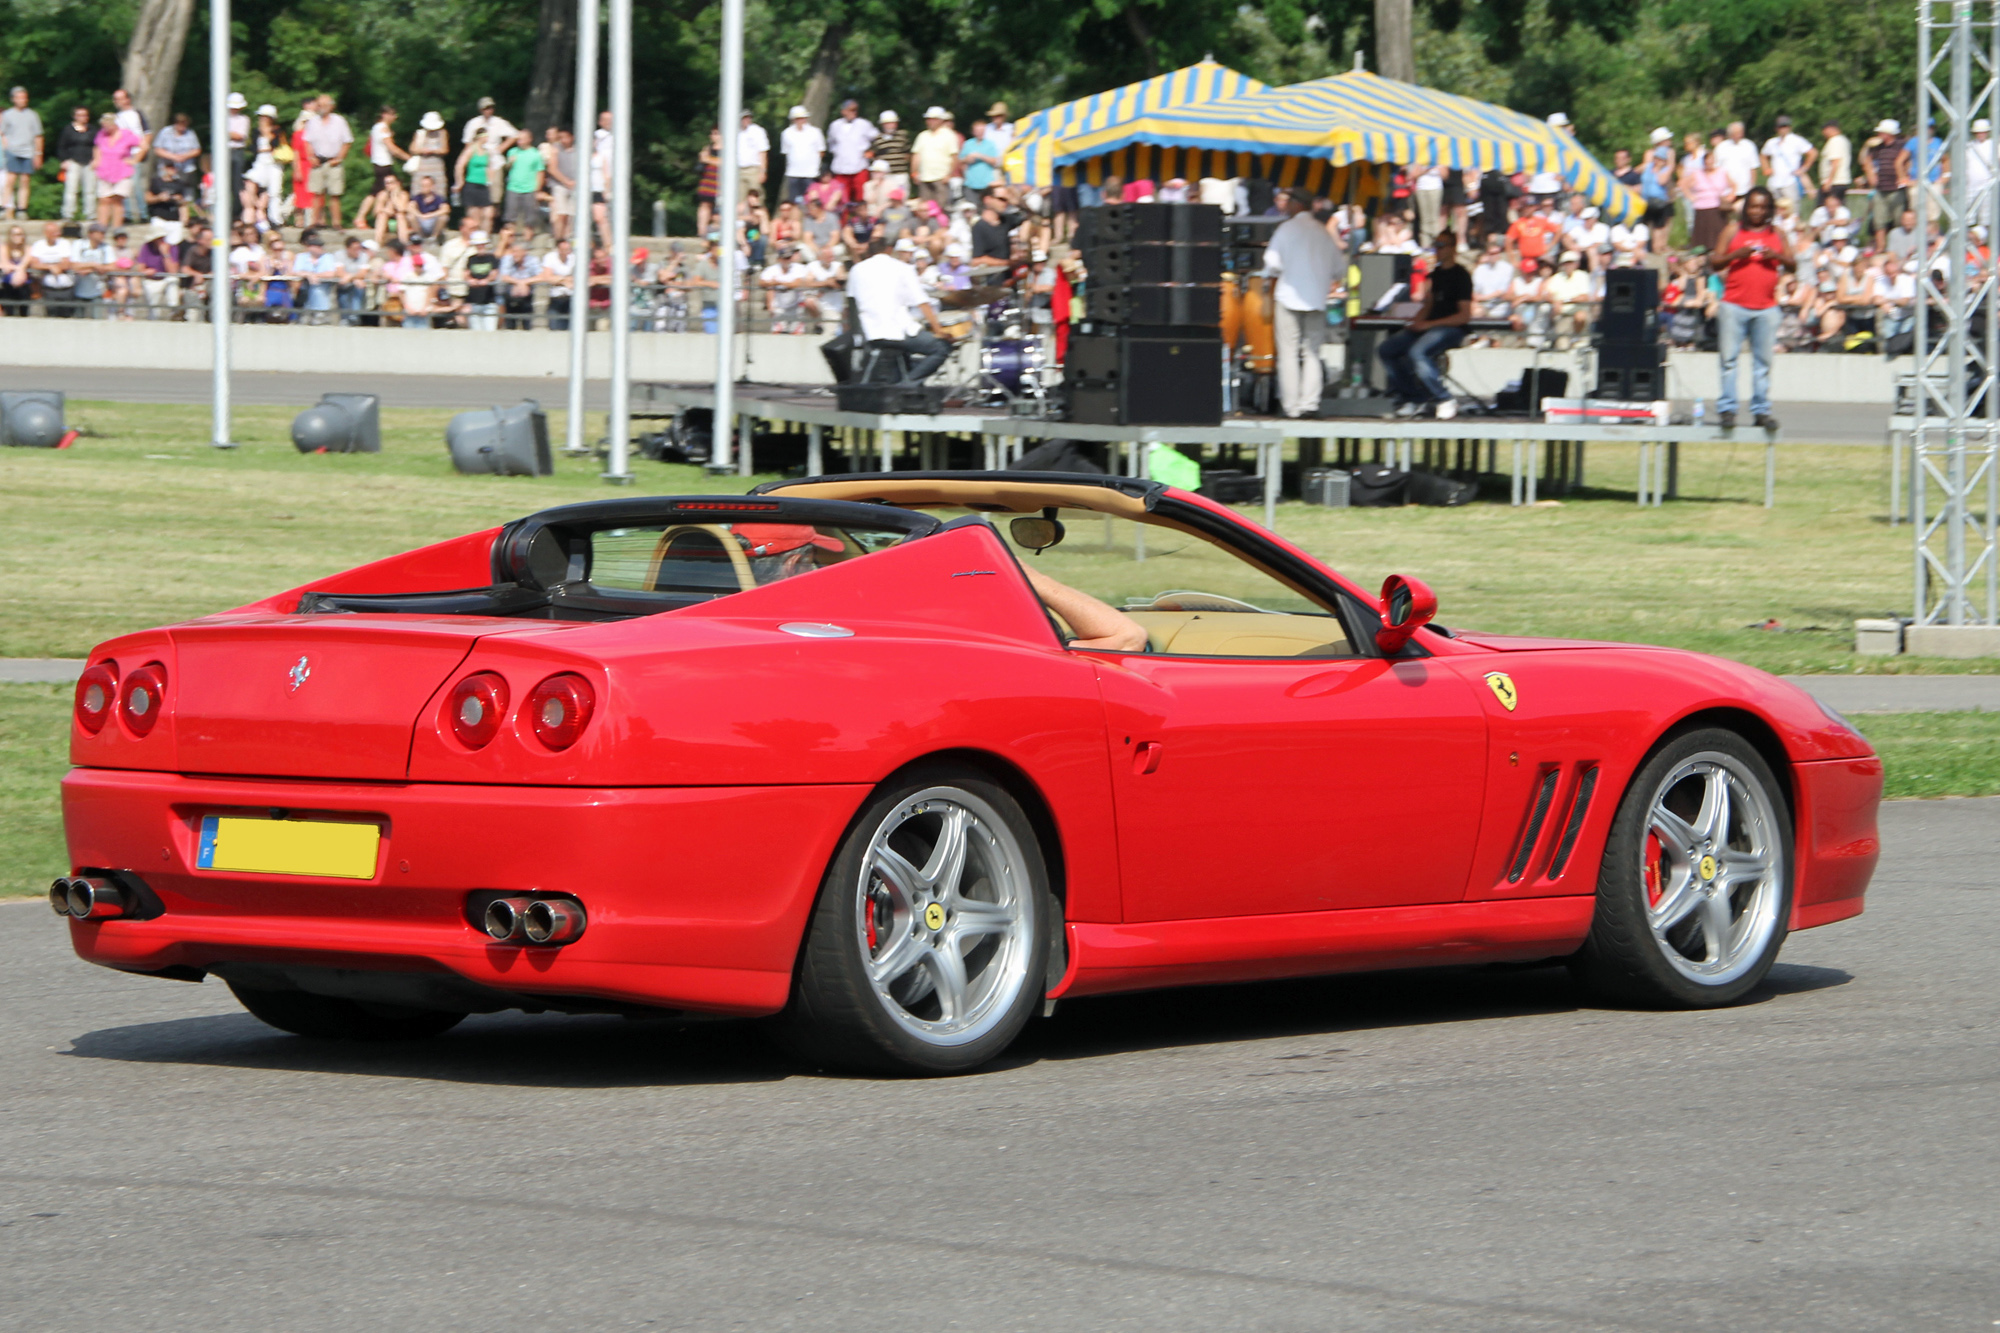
(1889, 127)
(1040, 255)
(890, 114)
(1590, 213)
(1570, 257)
(936, 113)
(796, 112)
(237, 101)
(905, 245)
(954, 251)
(478, 238)
(880, 164)
(1662, 134)
(432, 121)
(268, 110)
(1558, 118)
(1982, 127)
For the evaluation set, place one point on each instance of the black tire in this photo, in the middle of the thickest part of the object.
(1735, 915)
(328, 1016)
(838, 1015)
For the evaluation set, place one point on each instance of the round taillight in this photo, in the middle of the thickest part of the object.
(560, 709)
(96, 691)
(476, 707)
(140, 697)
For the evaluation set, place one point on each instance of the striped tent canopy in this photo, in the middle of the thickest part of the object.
(1045, 136)
(1340, 121)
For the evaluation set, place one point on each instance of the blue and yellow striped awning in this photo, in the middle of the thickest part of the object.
(1340, 121)
(1044, 137)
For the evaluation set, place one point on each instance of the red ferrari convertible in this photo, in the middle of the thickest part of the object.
(899, 759)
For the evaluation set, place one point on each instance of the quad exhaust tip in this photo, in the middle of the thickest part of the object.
(87, 898)
(534, 920)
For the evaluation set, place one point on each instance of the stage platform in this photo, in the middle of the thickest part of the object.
(1539, 457)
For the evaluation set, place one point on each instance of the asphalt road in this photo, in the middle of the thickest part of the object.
(1463, 1150)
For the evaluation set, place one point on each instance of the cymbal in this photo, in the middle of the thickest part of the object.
(969, 297)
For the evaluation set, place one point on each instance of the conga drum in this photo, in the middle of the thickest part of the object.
(1259, 329)
(1232, 310)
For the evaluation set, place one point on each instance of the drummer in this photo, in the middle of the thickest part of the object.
(896, 311)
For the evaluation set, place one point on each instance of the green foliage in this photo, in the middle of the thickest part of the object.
(1619, 67)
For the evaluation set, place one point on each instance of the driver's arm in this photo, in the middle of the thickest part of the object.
(1097, 624)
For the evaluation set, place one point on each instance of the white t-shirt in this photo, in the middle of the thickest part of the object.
(244, 258)
(885, 290)
(1979, 164)
(327, 135)
(130, 120)
(802, 146)
(1304, 258)
(1633, 237)
(378, 145)
(1832, 224)
(495, 126)
(1739, 161)
(752, 146)
(1593, 236)
(849, 140)
(1786, 152)
(1432, 179)
(558, 268)
(785, 280)
(1902, 288)
(53, 252)
(1492, 281)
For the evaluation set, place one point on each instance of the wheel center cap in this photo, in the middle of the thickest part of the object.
(934, 916)
(1708, 867)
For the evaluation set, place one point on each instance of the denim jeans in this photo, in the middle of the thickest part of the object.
(1411, 360)
(79, 181)
(353, 300)
(1761, 327)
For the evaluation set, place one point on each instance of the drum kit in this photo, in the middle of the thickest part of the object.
(1004, 361)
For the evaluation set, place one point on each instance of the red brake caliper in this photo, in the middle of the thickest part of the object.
(870, 903)
(1652, 867)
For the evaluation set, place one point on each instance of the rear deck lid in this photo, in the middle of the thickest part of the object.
(311, 696)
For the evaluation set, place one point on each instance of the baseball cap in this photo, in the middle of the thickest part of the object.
(898, 192)
(1662, 134)
(905, 245)
(778, 538)
(879, 165)
(479, 238)
(954, 251)
(796, 112)
(1784, 121)
(1590, 213)
(485, 102)
(936, 113)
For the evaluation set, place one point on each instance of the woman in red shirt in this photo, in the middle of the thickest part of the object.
(1750, 255)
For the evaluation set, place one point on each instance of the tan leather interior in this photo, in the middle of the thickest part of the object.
(991, 496)
(1242, 634)
(739, 562)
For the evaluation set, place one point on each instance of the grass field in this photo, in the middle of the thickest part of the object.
(143, 524)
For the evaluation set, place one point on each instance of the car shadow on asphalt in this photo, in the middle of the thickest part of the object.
(1352, 1002)
(555, 1051)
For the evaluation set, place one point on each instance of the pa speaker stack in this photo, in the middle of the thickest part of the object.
(1150, 350)
(1631, 363)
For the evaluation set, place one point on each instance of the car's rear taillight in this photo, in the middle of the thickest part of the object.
(140, 697)
(476, 707)
(96, 691)
(560, 709)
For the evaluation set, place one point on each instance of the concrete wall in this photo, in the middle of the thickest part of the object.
(772, 358)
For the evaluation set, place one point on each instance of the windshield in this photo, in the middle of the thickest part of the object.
(716, 559)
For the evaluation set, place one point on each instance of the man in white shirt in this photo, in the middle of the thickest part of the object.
(1895, 299)
(848, 139)
(1493, 282)
(1787, 159)
(327, 139)
(888, 298)
(803, 146)
(1739, 159)
(785, 294)
(50, 259)
(1979, 169)
(1832, 222)
(1836, 163)
(495, 127)
(1000, 128)
(1303, 257)
(753, 156)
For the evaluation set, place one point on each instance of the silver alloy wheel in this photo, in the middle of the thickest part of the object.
(1714, 867)
(945, 919)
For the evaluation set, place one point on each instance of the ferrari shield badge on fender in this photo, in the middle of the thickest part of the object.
(1502, 686)
(300, 671)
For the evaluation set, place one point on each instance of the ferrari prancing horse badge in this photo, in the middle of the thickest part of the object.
(1502, 686)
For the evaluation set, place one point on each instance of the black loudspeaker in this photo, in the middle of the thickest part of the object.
(1128, 381)
(1377, 485)
(1148, 262)
(1536, 384)
(1157, 304)
(1115, 224)
(889, 399)
(1631, 372)
(1428, 488)
(1631, 306)
(1379, 273)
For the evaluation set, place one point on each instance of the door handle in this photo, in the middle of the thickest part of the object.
(1146, 758)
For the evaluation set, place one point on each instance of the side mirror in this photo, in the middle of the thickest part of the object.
(1037, 534)
(1407, 606)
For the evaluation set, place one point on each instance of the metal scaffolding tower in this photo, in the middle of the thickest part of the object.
(1955, 472)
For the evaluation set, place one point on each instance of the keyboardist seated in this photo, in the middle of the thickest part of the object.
(1411, 356)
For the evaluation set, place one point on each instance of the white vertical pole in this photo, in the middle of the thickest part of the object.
(619, 421)
(814, 461)
(729, 113)
(220, 289)
(585, 120)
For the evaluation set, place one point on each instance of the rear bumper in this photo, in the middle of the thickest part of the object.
(1838, 842)
(697, 896)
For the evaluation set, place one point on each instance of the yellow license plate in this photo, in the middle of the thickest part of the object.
(288, 847)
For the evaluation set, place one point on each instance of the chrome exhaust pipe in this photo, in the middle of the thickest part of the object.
(504, 917)
(552, 921)
(91, 899)
(59, 896)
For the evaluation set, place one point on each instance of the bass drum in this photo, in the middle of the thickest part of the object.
(1260, 337)
(1015, 364)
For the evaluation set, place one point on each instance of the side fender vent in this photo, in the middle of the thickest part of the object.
(1545, 795)
(1579, 806)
